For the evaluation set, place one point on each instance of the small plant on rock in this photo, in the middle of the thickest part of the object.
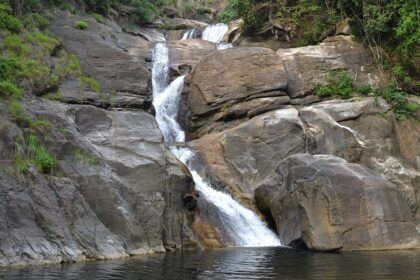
(81, 24)
(338, 83)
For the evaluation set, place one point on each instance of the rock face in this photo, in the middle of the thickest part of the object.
(325, 203)
(228, 77)
(243, 156)
(230, 86)
(306, 67)
(360, 130)
(48, 220)
(114, 58)
(185, 54)
(120, 190)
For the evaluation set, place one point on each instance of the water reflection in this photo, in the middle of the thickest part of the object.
(236, 263)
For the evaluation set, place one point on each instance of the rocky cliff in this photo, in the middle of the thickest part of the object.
(118, 190)
(325, 174)
(247, 125)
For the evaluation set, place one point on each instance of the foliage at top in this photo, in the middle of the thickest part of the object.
(389, 25)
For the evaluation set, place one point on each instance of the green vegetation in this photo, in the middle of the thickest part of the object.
(340, 84)
(21, 165)
(81, 24)
(90, 83)
(7, 20)
(83, 157)
(398, 99)
(26, 49)
(99, 18)
(231, 12)
(389, 28)
(34, 21)
(33, 152)
(9, 89)
(39, 155)
(68, 66)
(393, 24)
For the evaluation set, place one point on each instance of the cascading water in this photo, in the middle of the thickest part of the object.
(190, 34)
(213, 33)
(239, 223)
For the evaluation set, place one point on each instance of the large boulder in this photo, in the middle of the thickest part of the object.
(114, 58)
(359, 130)
(49, 221)
(241, 157)
(324, 203)
(185, 54)
(309, 66)
(228, 77)
(230, 86)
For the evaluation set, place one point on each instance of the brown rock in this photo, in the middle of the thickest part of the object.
(228, 77)
(328, 204)
(240, 158)
(309, 66)
(185, 54)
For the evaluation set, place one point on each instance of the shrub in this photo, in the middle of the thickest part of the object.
(99, 18)
(18, 113)
(8, 68)
(35, 21)
(37, 152)
(10, 89)
(398, 100)
(47, 42)
(339, 83)
(21, 165)
(144, 11)
(15, 45)
(81, 24)
(8, 21)
(230, 13)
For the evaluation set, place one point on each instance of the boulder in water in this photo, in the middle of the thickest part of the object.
(328, 204)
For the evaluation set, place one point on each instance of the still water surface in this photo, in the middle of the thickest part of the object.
(237, 263)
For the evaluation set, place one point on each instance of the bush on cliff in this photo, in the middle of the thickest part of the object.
(81, 24)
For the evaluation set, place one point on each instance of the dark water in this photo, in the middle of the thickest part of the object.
(238, 263)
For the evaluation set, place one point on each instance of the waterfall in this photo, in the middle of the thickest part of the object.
(190, 34)
(238, 223)
(213, 33)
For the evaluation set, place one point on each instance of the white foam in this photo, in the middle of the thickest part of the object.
(239, 223)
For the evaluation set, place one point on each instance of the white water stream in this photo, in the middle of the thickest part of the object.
(240, 224)
(212, 33)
